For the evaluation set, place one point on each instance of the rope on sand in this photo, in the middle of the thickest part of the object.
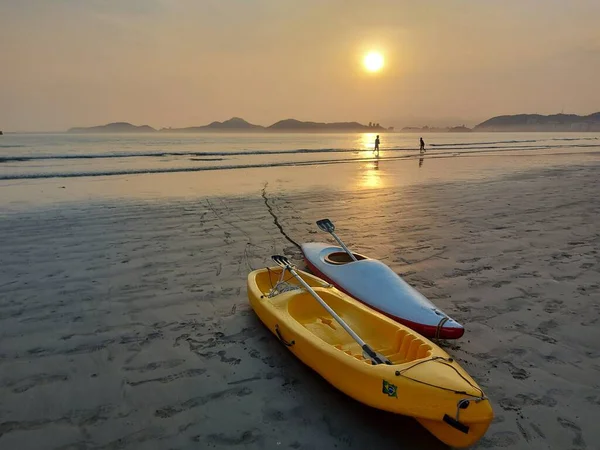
(276, 219)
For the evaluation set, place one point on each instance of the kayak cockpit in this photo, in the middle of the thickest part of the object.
(386, 338)
(340, 258)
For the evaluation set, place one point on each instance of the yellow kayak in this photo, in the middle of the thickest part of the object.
(422, 380)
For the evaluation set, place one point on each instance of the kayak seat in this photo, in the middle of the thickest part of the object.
(410, 347)
(398, 345)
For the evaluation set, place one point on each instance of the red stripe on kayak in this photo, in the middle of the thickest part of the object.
(428, 331)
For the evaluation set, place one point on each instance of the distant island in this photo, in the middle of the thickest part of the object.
(296, 125)
(239, 124)
(537, 122)
(518, 122)
(233, 124)
(116, 127)
(522, 123)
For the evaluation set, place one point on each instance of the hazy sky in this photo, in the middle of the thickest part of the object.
(177, 63)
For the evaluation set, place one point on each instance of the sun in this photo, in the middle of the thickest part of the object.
(373, 61)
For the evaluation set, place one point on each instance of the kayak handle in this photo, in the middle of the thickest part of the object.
(456, 424)
(286, 343)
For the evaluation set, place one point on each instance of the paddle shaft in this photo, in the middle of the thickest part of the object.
(344, 325)
(343, 246)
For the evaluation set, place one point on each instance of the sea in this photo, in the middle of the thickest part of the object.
(51, 155)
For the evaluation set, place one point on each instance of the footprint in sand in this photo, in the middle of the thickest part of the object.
(537, 429)
(594, 399)
(576, 431)
(521, 400)
(517, 373)
(546, 326)
(523, 431)
(222, 356)
(553, 305)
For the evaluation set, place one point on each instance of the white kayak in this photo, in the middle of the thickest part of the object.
(375, 284)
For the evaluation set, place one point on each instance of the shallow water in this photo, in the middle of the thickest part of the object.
(76, 155)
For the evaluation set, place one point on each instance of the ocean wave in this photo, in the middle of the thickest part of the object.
(32, 176)
(449, 153)
(515, 141)
(487, 143)
(576, 139)
(164, 154)
(225, 154)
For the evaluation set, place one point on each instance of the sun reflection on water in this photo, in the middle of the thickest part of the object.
(371, 177)
(366, 144)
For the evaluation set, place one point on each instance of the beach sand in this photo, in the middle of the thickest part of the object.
(124, 323)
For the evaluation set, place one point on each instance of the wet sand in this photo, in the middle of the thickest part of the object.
(125, 323)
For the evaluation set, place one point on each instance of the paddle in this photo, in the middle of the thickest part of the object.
(376, 358)
(328, 226)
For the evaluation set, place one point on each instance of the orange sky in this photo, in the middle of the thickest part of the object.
(178, 63)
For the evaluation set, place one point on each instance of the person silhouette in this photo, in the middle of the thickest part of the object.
(376, 149)
(422, 148)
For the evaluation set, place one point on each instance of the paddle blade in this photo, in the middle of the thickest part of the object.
(281, 261)
(326, 225)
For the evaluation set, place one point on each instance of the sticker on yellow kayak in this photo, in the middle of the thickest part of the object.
(390, 389)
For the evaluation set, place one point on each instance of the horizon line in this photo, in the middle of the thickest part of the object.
(266, 127)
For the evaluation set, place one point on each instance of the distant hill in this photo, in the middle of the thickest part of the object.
(239, 124)
(297, 125)
(459, 129)
(233, 124)
(537, 122)
(519, 122)
(116, 127)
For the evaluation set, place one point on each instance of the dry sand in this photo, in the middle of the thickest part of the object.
(125, 324)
